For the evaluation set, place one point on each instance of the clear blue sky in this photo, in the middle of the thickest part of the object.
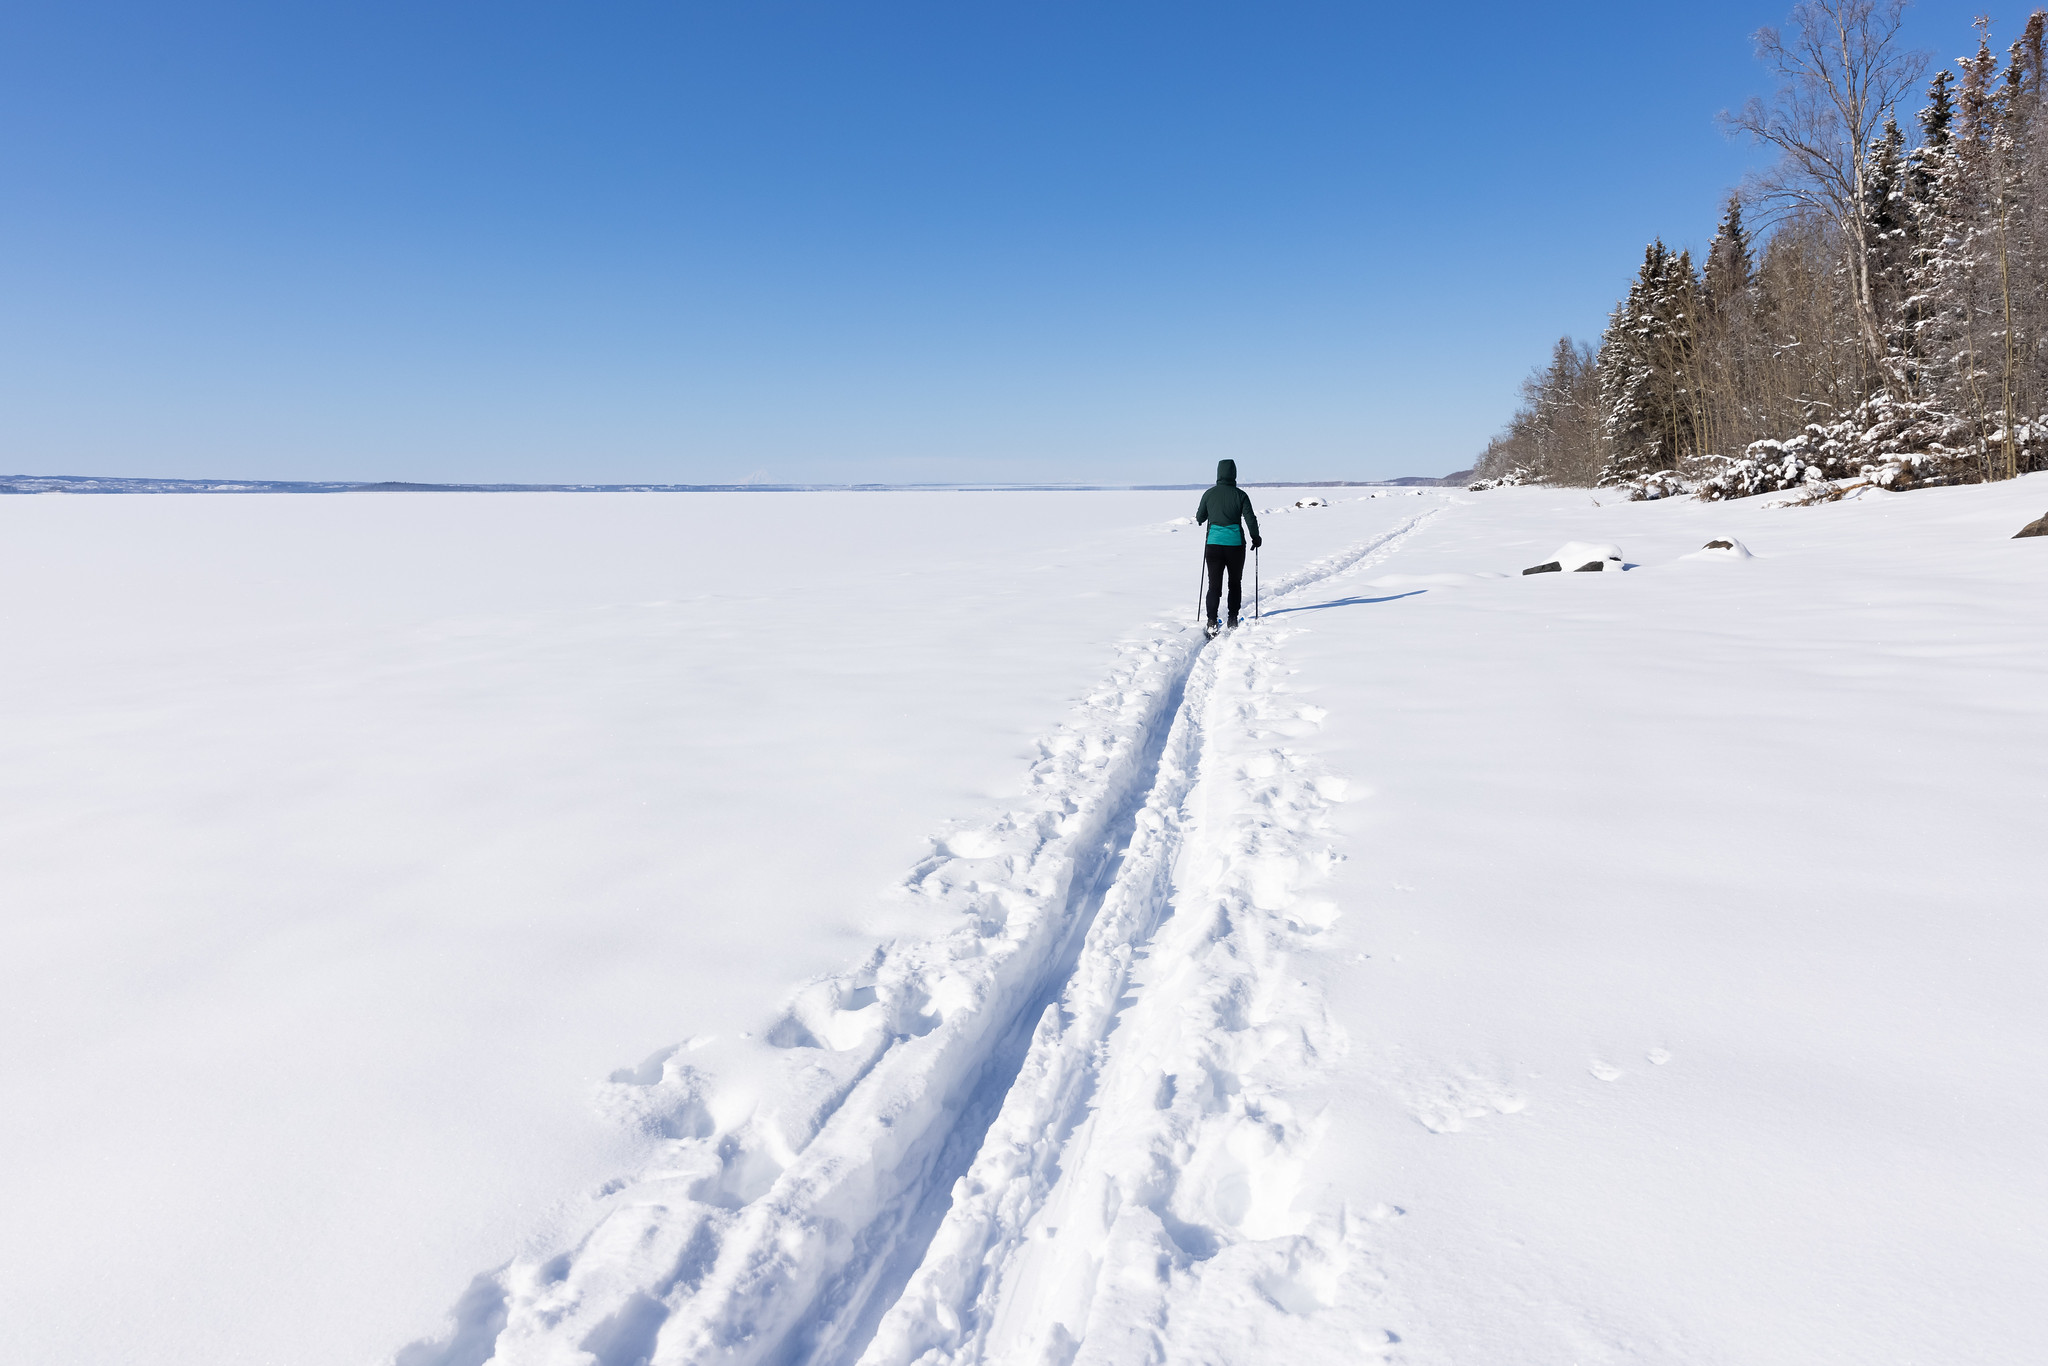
(625, 240)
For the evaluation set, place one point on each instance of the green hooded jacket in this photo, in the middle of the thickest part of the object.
(1227, 509)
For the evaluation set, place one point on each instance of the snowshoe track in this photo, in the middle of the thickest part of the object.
(940, 1107)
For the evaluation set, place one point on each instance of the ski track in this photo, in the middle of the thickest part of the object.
(1039, 1138)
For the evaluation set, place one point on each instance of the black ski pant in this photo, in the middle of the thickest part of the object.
(1222, 559)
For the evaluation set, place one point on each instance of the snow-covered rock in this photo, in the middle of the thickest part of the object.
(2037, 527)
(1580, 557)
(1720, 548)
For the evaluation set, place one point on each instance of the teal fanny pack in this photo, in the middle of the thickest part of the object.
(1226, 535)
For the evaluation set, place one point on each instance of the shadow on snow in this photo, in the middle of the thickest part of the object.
(1346, 602)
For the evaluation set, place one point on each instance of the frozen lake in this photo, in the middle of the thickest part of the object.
(642, 906)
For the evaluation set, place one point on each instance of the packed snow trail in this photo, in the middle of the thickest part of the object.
(781, 1228)
(1150, 1130)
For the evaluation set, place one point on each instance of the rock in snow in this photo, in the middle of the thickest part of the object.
(2037, 527)
(1581, 557)
(1721, 548)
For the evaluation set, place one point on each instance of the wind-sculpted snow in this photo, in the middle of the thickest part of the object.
(931, 1107)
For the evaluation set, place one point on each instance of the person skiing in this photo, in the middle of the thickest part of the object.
(1228, 512)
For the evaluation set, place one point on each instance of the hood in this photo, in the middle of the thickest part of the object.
(1226, 472)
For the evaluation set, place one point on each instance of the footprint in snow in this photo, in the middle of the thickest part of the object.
(1605, 1071)
(970, 844)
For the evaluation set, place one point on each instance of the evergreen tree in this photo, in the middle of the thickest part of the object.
(1625, 401)
(1936, 122)
(1973, 105)
(1890, 225)
(1885, 195)
(1677, 307)
(1932, 172)
(1729, 264)
(1728, 314)
(2030, 49)
(1639, 394)
(1939, 116)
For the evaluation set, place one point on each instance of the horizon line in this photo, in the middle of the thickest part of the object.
(116, 484)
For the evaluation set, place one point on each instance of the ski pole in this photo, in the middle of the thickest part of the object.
(1255, 584)
(1201, 582)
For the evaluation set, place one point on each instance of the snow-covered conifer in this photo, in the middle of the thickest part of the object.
(1628, 389)
(1728, 259)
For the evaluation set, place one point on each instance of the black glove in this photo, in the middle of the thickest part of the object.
(1257, 541)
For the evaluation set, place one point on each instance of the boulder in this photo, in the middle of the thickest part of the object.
(1584, 557)
(2037, 527)
(1725, 548)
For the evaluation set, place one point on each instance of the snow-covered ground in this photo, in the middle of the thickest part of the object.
(873, 927)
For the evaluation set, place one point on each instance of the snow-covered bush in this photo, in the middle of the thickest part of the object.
(1654, 485)
(1515, 477)
(1896, 446)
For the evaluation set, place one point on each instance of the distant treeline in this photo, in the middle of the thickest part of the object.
(1887, 325)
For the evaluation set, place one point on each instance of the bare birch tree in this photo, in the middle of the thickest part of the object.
(1843, 73)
